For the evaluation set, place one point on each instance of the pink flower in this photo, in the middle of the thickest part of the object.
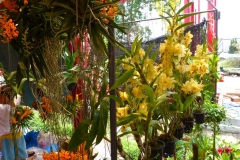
(228, 150)
(1, 72)
(220, 151)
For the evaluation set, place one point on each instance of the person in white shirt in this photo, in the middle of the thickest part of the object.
(9, 149)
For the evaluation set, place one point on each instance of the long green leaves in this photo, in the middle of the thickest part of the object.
(79, 136)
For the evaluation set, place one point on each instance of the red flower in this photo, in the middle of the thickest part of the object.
(220, 151)
(228, 150)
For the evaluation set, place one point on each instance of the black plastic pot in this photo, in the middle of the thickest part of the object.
(188, 125)
(199, 117)
(72, 86)
(157, 151)
(179, 133)
(169, 149)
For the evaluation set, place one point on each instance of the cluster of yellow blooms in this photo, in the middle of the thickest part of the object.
(175, 56)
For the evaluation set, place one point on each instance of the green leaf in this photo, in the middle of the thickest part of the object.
(57, 13)
(138, 46)
(183, 25)
(122, 79)
(117, 99)
(185, 16)
(225, 156)
(134, 44)
(149, 50)
(129, 118)
(103, 90)
(97, 39)
(43, 62)
(177, 76)
(78, 136)
(154, 55)
(155, 124)
(160, 99)
(94, 129)
(183, 8)
(188, 102)
(102, 122)
(150, 94)
(65, 29)
(166, 19)
(130, 132)
(11, 75)
(59, 4)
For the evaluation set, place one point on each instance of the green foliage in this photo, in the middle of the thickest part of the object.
(233, 48)
(37, 124)
(132, 11)
(131, 148)
(60, 19)
(89, 129)
(10, 79)
(183, 150)
(215, 113)
(230, 63)
(204, 144)
(71, 70)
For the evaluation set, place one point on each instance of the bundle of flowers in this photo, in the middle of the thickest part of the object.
(64, 155)
(8, 29)
(72, 105)
(46, 108)
(21, 116)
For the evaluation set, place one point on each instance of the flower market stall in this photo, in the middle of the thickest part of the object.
(82, 86)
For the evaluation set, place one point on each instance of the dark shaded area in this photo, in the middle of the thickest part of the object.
(9, 59)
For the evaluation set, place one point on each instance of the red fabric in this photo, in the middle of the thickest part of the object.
(211, 30)
(78, 91)
(190, 9)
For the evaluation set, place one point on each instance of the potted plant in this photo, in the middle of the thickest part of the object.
(140, 98)
(181, 69)
(179, 130)
(199, 112)
(71, 69)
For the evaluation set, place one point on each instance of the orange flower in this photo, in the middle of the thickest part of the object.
(64, 155)
(8, 29)
(45, 100)
(69, 98)
(25, 2)
(14, 121)
(11, 5)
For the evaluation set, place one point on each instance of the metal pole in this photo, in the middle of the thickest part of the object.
(113, 131)
(216, 17)
(153, 19)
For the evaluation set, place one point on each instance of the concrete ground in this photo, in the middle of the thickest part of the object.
(230, 129)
